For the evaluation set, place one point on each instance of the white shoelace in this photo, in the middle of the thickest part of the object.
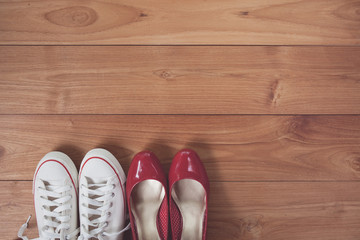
(55, 201)
(99, 197)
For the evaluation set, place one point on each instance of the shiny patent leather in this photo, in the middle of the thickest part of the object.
(186, 165)
(144, 166)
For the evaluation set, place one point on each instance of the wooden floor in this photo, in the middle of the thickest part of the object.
(267, 92)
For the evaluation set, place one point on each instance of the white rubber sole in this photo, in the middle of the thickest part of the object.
(63, 159)
(102, 153)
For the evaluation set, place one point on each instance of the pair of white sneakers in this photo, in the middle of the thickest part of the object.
(98, 192)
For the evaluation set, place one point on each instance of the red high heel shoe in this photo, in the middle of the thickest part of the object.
(189, 190)
(146, 191)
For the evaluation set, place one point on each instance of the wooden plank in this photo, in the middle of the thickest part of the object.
(241, 210)
(281, 22)
(283, 210)
(233, 148)
(179, 80)
(16, 203)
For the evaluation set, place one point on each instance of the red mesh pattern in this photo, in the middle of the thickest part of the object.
(163, 220)
(176, 220)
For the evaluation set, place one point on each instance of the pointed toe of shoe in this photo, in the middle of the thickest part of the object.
(145, 165)
(187, 165)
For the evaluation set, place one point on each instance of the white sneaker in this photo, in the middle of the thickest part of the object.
(102, 202)
(55, 189)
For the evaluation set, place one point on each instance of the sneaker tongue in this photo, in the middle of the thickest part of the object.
(97, 180)
(100, 182)
(52, 185)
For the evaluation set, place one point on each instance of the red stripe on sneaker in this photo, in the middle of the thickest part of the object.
(53, 160)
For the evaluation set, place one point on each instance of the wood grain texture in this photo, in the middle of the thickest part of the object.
(233, 148)
(271, 211)
(267, 93)
(179, 80)
(281, 22)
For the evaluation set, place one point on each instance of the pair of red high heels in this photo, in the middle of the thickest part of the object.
(147, 197)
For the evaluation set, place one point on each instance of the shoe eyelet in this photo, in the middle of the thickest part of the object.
(114, 186)
(109, 214)
(112, 194)
(111, 204)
